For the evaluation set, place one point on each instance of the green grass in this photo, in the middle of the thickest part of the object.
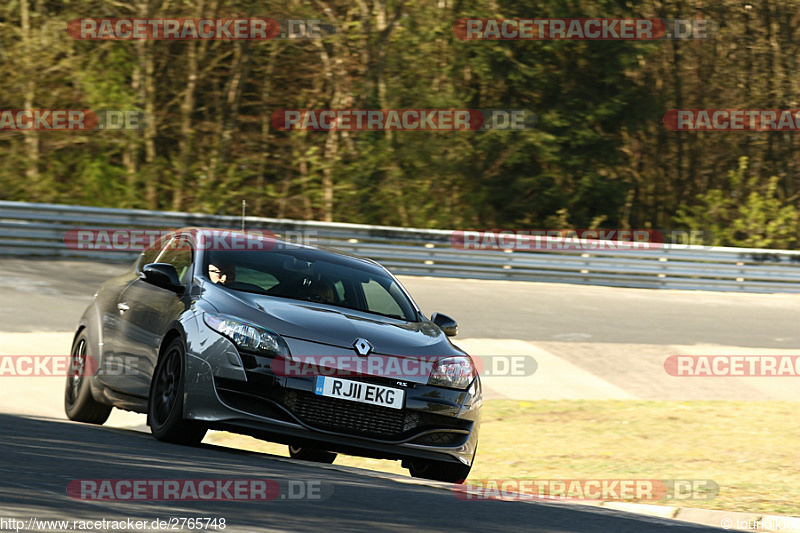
(750, 449)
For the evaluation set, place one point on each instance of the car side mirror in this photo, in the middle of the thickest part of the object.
(445, 323)
(162, 275)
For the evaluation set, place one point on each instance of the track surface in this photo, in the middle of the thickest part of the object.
(42, 453)
(40, 457)
(50, 296)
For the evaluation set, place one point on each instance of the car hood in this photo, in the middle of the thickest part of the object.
(340, 327)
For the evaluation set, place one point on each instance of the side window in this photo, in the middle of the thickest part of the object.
(379, 300)
(150, 255)
(179, 254)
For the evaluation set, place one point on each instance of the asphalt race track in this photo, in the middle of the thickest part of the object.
(42, 452)
(50, 296)
(41, 457)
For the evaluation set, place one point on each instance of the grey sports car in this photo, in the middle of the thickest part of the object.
(310, 347)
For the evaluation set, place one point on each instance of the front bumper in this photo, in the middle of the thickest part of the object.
(241, 394)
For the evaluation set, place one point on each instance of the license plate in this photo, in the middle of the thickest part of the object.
(358, 391)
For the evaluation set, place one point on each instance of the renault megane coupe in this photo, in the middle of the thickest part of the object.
(310, 347)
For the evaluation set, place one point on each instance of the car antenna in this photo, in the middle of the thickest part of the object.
(244, 206)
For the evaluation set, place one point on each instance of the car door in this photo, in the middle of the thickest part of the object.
(146, 313)
(113, 373)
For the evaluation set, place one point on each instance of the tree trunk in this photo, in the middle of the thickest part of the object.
(147, 95)
(266, 89)
(31, 136)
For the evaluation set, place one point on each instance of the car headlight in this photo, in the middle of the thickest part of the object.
(455, 372)
(247, 335)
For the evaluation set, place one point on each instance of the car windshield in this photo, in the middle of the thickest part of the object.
(311, 275)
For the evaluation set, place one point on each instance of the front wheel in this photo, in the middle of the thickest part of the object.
(79, 403)
(165, 409)
(311, 454)
(437, 470)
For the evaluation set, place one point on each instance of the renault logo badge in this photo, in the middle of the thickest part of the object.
(362, 347)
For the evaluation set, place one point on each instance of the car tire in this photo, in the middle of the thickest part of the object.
(311, 454)
(437, 470)
(165, 408)
(79, 403)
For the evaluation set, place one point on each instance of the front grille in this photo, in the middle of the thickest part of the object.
(345, 416)
(365, 420)
(262, 395)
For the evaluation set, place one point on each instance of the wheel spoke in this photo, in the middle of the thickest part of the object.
(166, 391)
(78, 364)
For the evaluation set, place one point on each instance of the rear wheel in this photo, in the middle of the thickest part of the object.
(79, 403)
(311, 454)
(165, 409)
(437, 470)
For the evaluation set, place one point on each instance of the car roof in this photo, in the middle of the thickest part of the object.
(342, 255)
(259, 234)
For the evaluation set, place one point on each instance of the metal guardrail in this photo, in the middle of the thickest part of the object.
(38, 230)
